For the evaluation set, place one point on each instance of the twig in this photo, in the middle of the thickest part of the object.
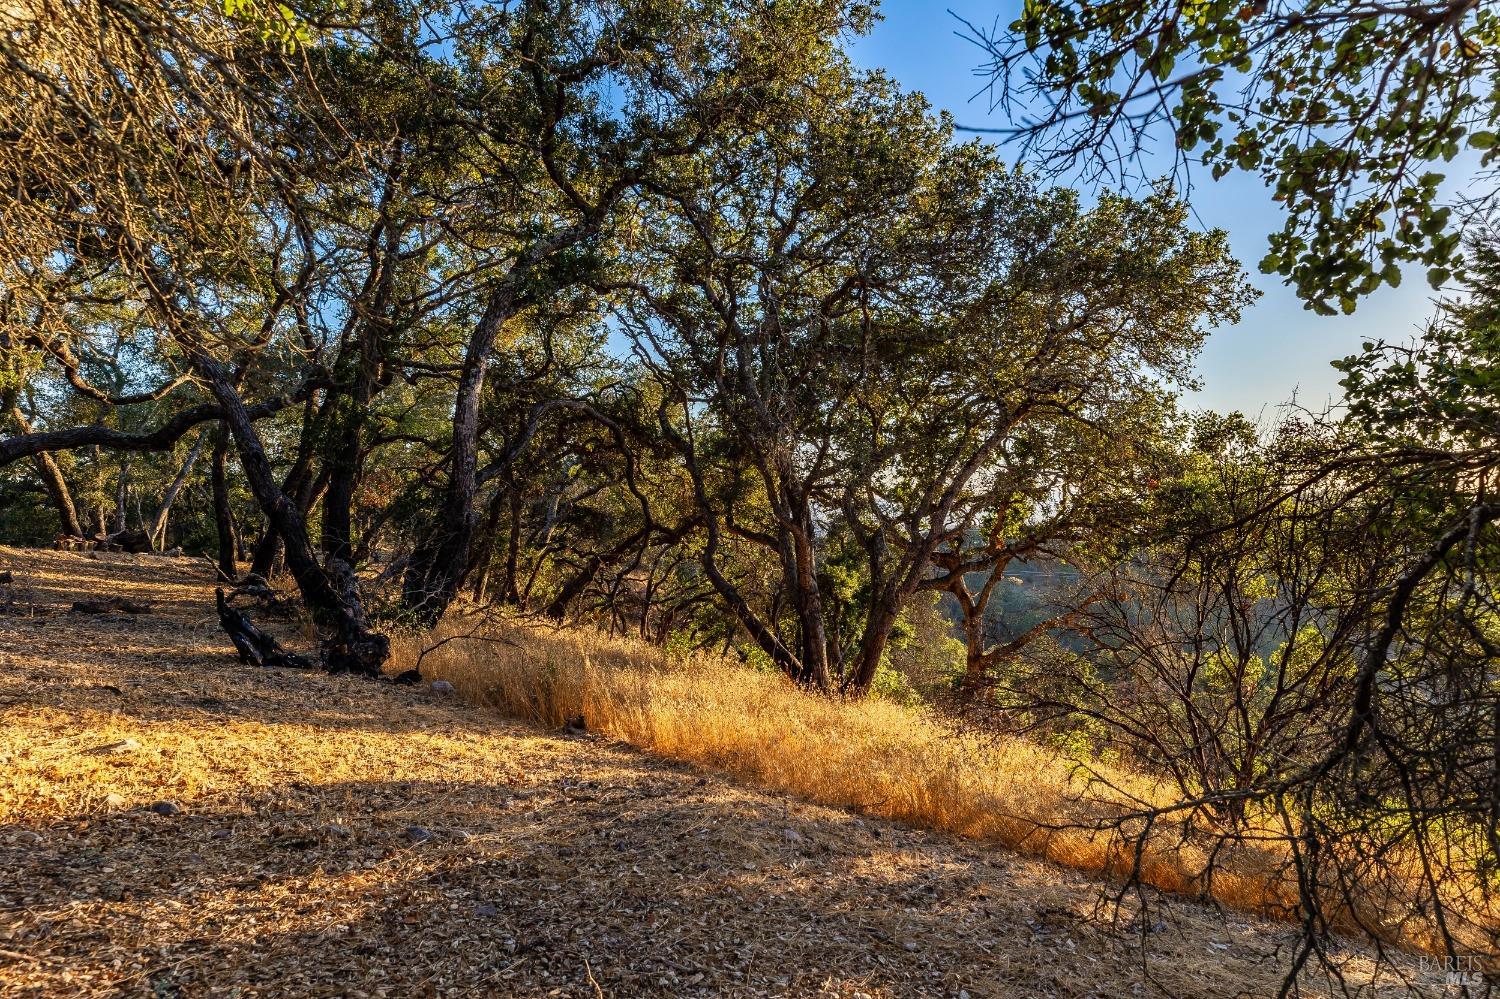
(598, 992)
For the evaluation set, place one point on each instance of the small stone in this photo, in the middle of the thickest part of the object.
(165, 808)
(417, 834)
(440, 687)
(910, 946)
(486, 910)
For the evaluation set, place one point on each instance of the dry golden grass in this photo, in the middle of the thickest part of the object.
(878, 756)
(881, 758)
(554, 861)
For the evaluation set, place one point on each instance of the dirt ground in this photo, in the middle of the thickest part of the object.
(330, 836)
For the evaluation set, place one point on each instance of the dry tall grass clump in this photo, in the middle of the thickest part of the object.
(884, 758)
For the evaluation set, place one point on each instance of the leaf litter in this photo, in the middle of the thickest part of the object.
(173, 823)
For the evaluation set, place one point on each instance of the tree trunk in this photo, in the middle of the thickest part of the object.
(122, 499)
(57, 491)
(338, 535)
(799, 558)
(881, 618)
(331, 596)
(223, 515)
(157, 529)
(972, 606)
(345, 465)
(441, 560)
(52, 480)
(304, 491)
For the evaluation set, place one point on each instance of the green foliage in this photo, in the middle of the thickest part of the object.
(1343, 109)
(1443, 390)
(1051, 693)
(275, 22)
(923, 650)
(893, 685)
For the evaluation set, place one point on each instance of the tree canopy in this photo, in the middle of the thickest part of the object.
(1352, 113)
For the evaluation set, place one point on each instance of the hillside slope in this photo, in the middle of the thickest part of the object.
(333, 836)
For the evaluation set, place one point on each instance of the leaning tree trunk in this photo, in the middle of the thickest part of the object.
(330, 595)
(885, 608)
(223, 515)
(157, 529)
(440, 562)
(304, 490)
(52, 481)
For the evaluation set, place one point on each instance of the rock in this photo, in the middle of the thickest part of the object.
(114, 802)
(486, 910)
(417, 834)
(165, 808)
(910, 946)
(440, 687)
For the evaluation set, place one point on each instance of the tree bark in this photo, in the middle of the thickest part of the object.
(304, 490)
(880, 619)
(122, 498)
(223, 515)
(52, 480)
(157, 530)
(343, 477)
(349, 645)
(817, 660)
(440, 562)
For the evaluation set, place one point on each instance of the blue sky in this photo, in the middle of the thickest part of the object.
(1278, 349)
